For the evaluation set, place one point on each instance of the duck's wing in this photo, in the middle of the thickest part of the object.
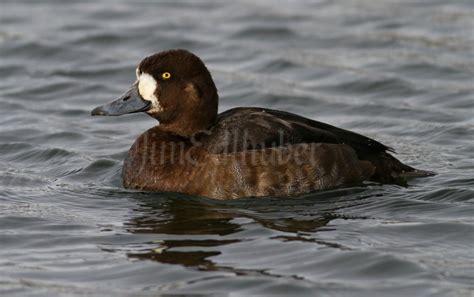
(246, 129)
(241, 129)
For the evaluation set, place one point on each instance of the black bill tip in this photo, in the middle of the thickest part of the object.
(98, 111)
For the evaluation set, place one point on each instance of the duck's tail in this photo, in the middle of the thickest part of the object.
(403, 170)
(416, 173)
(389, 169)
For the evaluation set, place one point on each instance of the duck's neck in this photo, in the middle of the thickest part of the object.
(198, 116)
(189, 124)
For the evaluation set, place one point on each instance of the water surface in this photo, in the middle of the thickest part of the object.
(398, 71)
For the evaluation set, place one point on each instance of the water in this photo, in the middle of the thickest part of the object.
(398, 71)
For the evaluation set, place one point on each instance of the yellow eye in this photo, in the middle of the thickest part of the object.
(166, 75)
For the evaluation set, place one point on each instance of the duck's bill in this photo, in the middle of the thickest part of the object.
(129, 102)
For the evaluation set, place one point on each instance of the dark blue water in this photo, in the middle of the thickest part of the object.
(401, 72)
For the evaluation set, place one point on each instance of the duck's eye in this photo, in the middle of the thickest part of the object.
(166, 75)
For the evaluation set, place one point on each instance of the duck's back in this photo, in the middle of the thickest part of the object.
(252, 128)
(247, 129)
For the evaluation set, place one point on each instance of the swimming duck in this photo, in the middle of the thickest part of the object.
(242, 152)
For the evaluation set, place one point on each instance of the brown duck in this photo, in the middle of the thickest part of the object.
(241, 152)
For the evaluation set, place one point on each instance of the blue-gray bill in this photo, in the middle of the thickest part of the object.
(129, 102)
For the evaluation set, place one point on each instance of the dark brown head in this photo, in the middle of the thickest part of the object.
(173, 87)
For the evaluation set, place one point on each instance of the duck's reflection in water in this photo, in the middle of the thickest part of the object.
(191, 231)
(188, 231)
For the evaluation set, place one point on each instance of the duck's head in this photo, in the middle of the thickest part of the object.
(173, 87)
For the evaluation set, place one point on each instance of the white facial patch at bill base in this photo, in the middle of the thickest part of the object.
(147, 88)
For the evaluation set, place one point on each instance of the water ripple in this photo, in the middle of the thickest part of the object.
(398, 71)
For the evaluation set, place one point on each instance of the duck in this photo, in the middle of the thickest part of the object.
(241, 152)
